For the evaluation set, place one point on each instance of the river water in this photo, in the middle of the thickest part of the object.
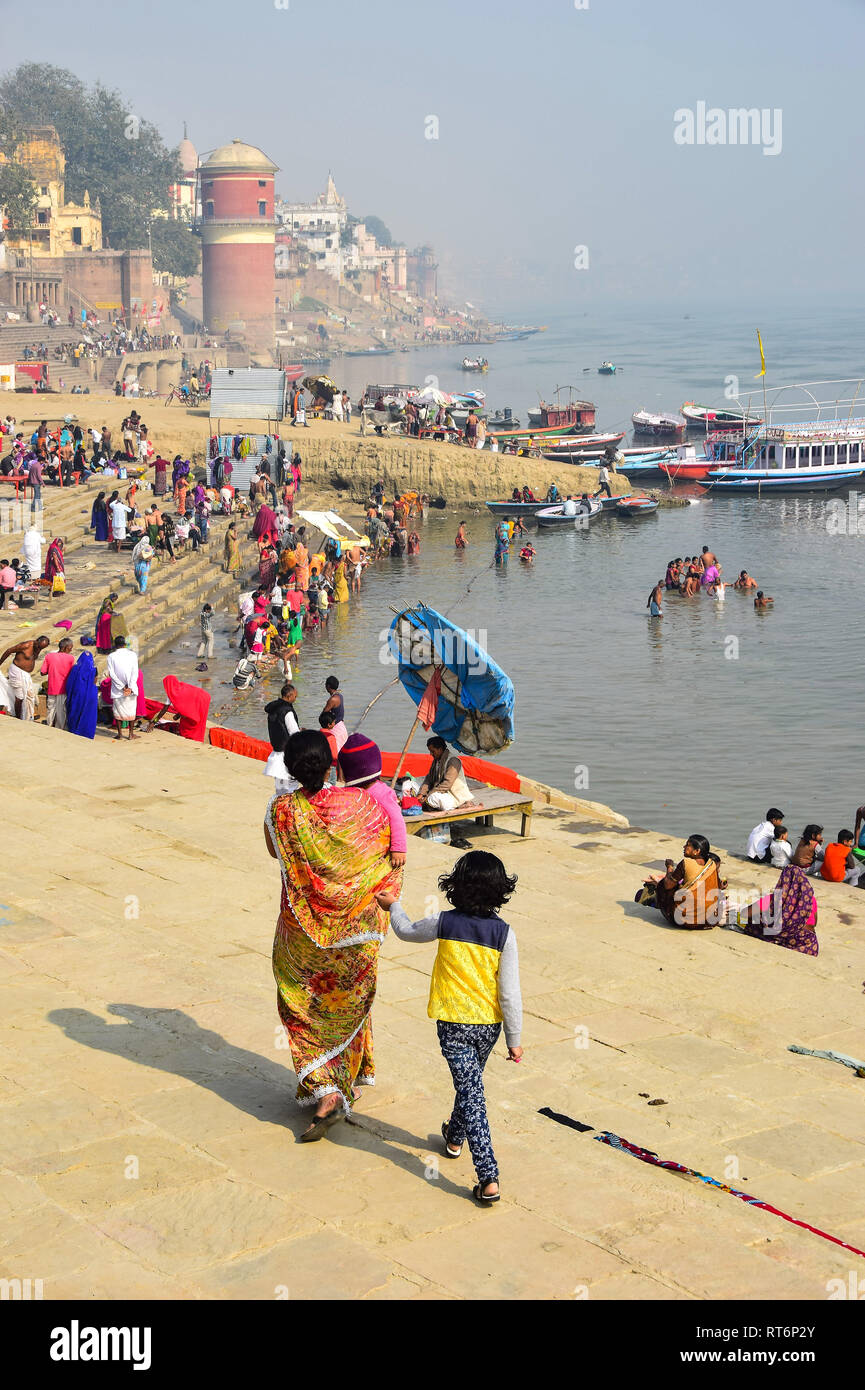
(697, 721)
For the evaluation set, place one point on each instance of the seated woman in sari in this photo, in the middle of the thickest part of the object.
(788, 915)
(691, 893)
(332, 844)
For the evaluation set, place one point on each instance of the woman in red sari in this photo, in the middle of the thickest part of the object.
(332, 844)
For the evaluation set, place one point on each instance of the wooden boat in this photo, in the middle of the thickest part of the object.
(503, 420)
(681, 464)
(661, 425)
(607, 369)
(475, 364)
(520, 509)
(635, 506)
(554, 518)
(575, 449)
(577, 417)
(704, 418)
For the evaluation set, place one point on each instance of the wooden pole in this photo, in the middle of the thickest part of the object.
(402, 755)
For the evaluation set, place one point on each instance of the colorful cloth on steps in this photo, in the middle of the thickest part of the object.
(333, 850)
(647, 1156)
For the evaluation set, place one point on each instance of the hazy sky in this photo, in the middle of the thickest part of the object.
(555, 129)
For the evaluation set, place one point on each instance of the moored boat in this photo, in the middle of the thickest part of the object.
(520, 509)
(577, 417)
(682, 464)
(556, 518)
(503, 420)
(815, 456)
(660, 425)
(635, 506)
(576, 449)
(704, 419)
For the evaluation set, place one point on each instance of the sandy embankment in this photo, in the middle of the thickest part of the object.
(338, 462)
(148, 1137)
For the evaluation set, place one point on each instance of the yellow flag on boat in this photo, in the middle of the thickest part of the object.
(762, 371)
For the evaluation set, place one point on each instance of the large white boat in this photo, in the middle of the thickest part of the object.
(802, 456)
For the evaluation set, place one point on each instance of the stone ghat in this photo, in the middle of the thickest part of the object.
(147, 1120)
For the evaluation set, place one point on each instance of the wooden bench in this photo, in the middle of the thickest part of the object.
(487, 802)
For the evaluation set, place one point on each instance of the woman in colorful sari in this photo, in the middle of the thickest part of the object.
(788, 915)
(332, 844)
(160, 477)
(287, 564)
(691, 893)
(81, 697)
(265, 527)
(231, 550)
(340, 584)
(301, 564)
(267, 567)
(180, 495)
(54, 559)
(104, 641)
(199, 495)
(99, 518)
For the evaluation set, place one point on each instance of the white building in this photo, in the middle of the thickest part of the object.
(319, 226)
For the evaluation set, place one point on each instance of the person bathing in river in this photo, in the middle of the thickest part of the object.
(460, 541)
(763, 600)
(653, 603)
(528, 553)
(745, 581)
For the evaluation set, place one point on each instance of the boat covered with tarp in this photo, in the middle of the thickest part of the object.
(475, 708)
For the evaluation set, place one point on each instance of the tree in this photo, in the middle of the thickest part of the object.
(111, 152)
(176, 250)
(377, 228)
(17, 196)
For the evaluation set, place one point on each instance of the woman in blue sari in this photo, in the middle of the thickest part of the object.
(99, 518)
(81, 697)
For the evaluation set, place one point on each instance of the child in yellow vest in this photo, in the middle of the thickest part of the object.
(475, 987)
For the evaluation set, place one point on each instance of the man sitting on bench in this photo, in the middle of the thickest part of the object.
(444, 788)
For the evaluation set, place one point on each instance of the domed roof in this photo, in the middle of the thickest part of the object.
(239, 155)
(188, 156)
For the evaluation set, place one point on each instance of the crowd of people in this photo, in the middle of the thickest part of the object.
(701, 573)
(842, 860)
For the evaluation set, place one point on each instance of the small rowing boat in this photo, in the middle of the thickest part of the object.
(607, 369)
(703, 418)
(660, 425)
(475, 364)
(556, 518)
(577, 448)
(635, 506)
(520, 509)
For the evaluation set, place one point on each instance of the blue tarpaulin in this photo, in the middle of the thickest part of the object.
(476, 707)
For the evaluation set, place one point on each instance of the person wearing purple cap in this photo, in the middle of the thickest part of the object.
(359, 762)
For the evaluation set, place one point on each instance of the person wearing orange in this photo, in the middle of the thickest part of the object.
(839, 863)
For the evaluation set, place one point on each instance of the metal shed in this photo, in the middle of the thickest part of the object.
(248, 393)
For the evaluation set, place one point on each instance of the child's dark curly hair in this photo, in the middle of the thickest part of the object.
(478, 884)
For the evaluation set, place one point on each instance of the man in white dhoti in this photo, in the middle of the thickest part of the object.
(122, 667)
(19, 677)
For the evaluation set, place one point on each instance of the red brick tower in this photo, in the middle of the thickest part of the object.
(237, 235)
